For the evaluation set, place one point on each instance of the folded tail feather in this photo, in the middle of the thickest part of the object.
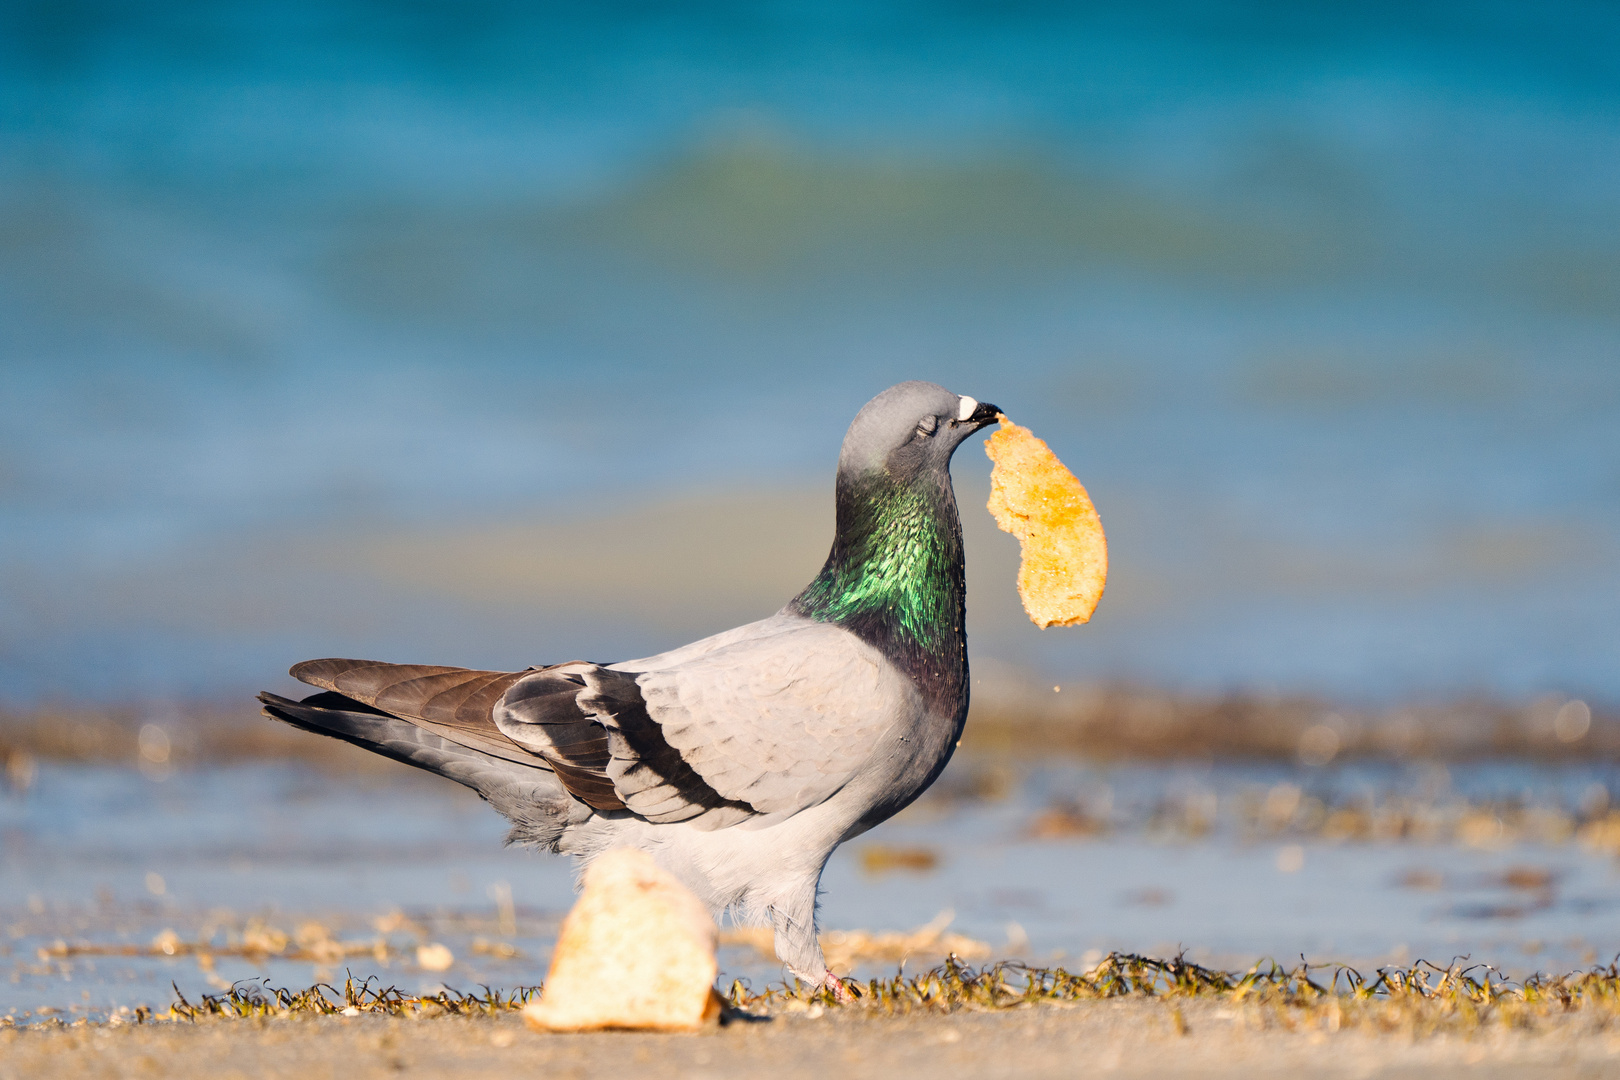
(527, 793)
(458, 705)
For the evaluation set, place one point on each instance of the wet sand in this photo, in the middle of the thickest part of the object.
(1127, 1038)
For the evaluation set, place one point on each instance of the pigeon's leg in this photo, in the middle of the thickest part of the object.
(796, 944)
(840, 992)
(797, 947)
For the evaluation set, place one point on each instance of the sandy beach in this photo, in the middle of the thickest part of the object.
(1130, 1038)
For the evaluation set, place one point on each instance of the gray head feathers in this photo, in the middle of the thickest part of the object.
(910, 426)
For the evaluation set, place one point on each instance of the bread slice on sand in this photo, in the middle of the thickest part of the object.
(636, 951)
(1065, 555)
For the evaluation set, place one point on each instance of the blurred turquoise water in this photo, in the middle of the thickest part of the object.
(1322, 305)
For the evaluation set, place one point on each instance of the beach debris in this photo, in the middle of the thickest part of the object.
(396, 921)
(317, 942)
(21, 771)
(434, 957)
(1422, 877)
(636, 951)
(846, 948)
(154, 747)
(1603, 834)
(877, 859)
(262, 938)
(500, 950)
(205, 964)
(1066, 820)
(1530, 878)
(1065, 554)
(505, 909)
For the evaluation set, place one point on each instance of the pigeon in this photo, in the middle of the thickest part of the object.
(741, 761)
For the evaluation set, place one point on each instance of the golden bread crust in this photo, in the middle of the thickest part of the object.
(1065, 554)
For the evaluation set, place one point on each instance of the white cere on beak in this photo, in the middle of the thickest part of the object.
(965, 410)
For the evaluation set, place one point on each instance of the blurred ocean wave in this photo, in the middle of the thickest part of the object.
(494, 334)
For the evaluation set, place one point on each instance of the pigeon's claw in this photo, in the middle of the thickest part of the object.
(835, 986)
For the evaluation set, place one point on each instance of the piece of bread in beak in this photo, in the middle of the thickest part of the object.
(1065, 554)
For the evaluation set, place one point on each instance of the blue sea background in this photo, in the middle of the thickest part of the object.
(496, 334)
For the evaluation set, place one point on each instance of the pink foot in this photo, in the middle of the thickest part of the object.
(840, 992)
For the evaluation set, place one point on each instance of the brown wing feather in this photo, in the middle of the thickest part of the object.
(593, 789)
(479, 703)
(457, 703)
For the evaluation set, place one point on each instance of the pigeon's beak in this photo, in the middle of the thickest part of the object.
(976, 414)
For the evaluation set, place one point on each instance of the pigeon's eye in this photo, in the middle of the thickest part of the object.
(926, 426)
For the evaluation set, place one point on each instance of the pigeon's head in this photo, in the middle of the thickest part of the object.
(910, 429)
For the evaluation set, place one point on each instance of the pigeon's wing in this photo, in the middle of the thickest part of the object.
(458, 704)
(779, 721)
(592, 724)
(767, 722)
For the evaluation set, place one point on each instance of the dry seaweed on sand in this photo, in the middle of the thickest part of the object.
(1422, 998)
(1419, 999)
(245, 1000)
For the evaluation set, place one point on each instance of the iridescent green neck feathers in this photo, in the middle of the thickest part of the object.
(894, 576)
